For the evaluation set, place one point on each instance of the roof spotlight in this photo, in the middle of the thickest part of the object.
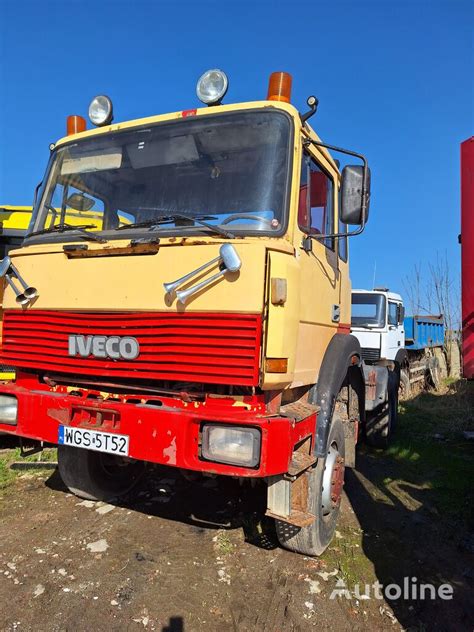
(212, 86)
(101, 111)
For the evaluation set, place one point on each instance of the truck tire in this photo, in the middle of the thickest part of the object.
(405, 386)
(382, 421)
(434, 370)
(326, 480)
(97, 476)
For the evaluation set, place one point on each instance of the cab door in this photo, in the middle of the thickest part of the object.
(320, 300)
(395, 332)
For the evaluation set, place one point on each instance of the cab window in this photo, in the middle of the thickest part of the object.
(316, 208)
(392, 314)
(71, 205)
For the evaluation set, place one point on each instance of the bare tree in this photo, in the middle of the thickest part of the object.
(437, 292)
(412, 285)
(446, 296)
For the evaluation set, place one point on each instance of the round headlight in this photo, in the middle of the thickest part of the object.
(212, 86)
(101, 110)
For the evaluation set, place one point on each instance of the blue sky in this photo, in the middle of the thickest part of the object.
(394, 80)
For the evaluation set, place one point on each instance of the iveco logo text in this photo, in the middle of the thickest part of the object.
(104, 347)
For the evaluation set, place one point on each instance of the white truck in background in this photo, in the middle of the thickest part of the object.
(411, 346)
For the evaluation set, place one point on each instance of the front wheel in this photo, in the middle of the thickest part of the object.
(97, 476)
(325, 485)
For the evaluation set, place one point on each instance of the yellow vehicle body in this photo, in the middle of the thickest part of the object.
(297, 330)
(15, 218)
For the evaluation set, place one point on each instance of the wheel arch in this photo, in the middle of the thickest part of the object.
(342, 360)
(401, 359)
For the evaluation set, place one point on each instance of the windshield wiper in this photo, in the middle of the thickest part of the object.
(167, 219)
(81, 229)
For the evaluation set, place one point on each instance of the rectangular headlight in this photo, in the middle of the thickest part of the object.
(228, 444)
(8, 409)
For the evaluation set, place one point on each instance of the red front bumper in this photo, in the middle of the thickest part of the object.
(163, 430)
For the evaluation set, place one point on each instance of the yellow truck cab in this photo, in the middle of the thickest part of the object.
(202, 319)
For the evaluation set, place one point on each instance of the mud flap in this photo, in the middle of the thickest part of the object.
(376, 386)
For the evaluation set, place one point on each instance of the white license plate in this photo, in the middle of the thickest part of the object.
(94, 440)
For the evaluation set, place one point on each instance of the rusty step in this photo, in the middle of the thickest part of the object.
(300, 462)
(296, 518)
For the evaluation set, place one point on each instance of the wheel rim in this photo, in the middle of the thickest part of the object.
(333, 480)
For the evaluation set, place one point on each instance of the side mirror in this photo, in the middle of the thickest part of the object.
(353, 193)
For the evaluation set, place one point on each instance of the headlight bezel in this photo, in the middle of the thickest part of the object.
(8, 417)
(256, 442)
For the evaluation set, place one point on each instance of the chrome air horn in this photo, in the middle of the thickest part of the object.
(230, 260)
(10, 272)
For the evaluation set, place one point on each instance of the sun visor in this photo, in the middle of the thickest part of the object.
(87, 163)
(169, 151)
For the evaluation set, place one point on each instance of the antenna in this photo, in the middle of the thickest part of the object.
(375, 270)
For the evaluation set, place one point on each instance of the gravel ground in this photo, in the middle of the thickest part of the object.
(190, 556)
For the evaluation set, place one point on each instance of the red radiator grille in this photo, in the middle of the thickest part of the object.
(210, 348)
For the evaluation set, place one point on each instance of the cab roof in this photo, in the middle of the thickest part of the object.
(202, 111)
(390, 295)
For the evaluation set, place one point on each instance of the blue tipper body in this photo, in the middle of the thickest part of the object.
(423, 331)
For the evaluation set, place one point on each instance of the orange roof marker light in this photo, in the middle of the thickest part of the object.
(75, 124)
(279, 87)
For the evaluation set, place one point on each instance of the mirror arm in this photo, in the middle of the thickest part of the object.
(313, 103)
(37, 188)
(363, 159)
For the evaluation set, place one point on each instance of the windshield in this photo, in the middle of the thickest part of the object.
(368, 310)
(229, 171)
